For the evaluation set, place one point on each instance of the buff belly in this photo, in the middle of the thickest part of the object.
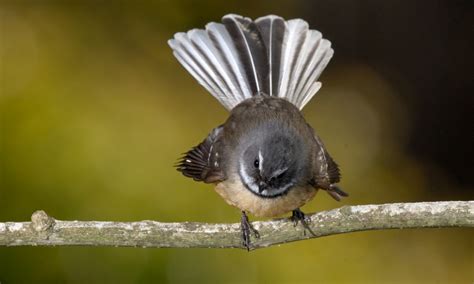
(236, 194)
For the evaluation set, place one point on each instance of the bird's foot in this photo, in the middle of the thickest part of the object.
(246, 230)
(299, 216)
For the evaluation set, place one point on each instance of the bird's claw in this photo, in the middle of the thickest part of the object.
(246, 230)
(299, 216)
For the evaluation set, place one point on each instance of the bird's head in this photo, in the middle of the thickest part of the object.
(270, 166)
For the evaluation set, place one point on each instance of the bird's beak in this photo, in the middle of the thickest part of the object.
(262, 186)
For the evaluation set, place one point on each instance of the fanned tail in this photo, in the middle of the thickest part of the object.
(241, 58)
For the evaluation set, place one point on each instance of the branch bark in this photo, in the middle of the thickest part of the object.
(43, 230)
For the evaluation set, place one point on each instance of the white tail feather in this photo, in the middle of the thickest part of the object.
(307, 60)
(202, 41)
(311, 92)
(197, 71)
(194, 57)
(294, 38)
(302, 61)
(321, 58)
(224, 43)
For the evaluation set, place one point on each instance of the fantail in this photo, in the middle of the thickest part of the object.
(265, 159)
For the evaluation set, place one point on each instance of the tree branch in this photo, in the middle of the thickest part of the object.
(46, 231)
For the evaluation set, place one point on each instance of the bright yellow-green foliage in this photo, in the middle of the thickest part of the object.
(95, 110)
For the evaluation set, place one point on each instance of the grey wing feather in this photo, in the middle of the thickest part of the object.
(328, 171)
(202, 163)
(242, 58)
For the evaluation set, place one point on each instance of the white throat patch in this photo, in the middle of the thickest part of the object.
(248, 181)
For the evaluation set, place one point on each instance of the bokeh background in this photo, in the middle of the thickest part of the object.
(94, 111)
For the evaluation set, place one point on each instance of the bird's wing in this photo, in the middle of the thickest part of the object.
(202, 163)
(326, 173)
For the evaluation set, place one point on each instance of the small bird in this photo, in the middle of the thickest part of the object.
(265, 159)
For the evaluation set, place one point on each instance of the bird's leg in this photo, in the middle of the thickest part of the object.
(246, 228)
(298, 215)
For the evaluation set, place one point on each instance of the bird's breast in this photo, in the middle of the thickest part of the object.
(236, 194)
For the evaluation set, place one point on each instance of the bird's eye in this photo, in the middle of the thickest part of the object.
(256, 163)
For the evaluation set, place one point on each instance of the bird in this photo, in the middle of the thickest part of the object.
(265, 159)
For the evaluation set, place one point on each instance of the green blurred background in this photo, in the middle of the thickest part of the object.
(95, 111)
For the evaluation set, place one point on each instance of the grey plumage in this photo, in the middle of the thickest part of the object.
(202, 163)
(242, 58)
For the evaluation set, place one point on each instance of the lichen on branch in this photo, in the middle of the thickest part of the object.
(44, 230)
